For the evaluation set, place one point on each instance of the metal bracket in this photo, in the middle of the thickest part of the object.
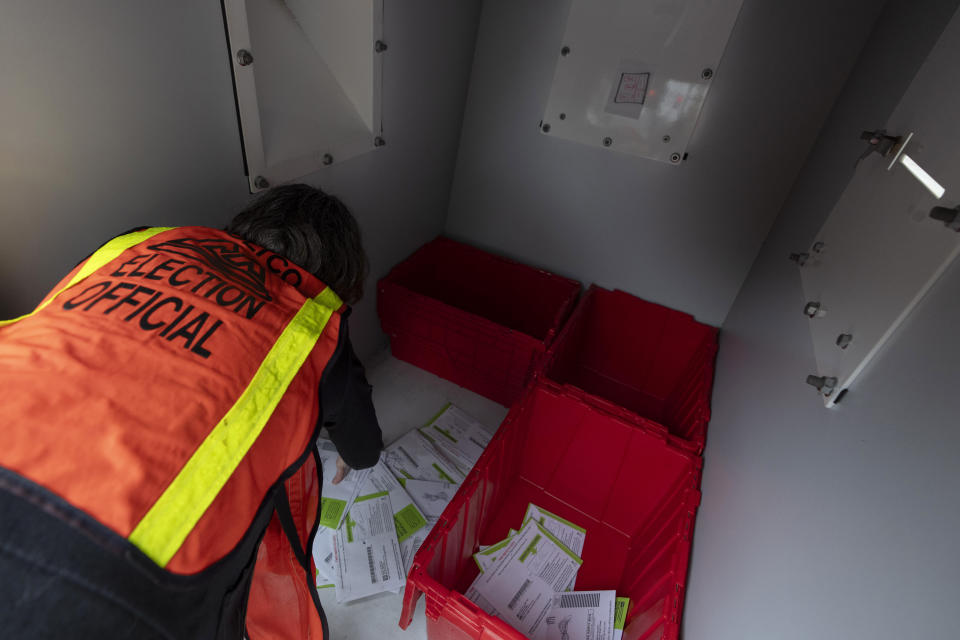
(879, 142)
(824, 384)
(949, 217)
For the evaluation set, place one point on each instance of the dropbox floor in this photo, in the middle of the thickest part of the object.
(405, 397)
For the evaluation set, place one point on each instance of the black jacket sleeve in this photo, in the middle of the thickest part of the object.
(346, 405)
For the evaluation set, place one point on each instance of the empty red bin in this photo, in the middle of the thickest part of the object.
(633, 490)
(477, 319)
(639, 358)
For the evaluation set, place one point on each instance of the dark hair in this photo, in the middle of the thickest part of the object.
(312, 229)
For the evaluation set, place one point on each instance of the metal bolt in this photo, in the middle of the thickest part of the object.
(563, 116)
(261, 183)
(379, 46)
(707, 73)
(327, 159)
(675, 158)
(379, 141)
(818, 247)
(244, 58)
(800, 258)
(608, 141)
(565, 51)
(666, 138)
(823, 384)
(814, 310)
(546, 127)
(844, 340)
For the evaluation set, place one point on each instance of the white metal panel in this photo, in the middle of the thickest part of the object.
(311, 97)
(632, 75)
(881, 252)
(342, 32)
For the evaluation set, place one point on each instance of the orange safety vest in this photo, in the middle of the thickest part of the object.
(168, 388)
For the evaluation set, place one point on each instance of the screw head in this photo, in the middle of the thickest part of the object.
(563, 116)
(818, 247)
(244, 58)
(608, 141)
(327, 159)
(844, 340)
(379, 141)
(565, 51)
(675, 158)
(823, 384)
(666, 138)
(379, 46)
(546, 127)
(813, 310)
(261, 183)
(707, 73)
(799, 258)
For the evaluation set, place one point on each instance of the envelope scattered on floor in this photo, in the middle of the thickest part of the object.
(407, 518)
(366, 550)
(410, 546)
(414, 458)
(323, 557)
(431, 497)
(323, 582)
(375, 520)
(336, 499)
(459, 438)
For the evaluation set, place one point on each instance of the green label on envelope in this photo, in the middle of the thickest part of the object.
(620, 613)
(331, 510)
(408, 521)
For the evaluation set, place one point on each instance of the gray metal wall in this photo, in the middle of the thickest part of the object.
(116, 114)
(837, 523)
(681, 236)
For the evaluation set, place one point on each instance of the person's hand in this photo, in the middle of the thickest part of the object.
(342, 471)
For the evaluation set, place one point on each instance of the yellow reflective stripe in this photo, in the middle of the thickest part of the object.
(103, 256)
(169, 521)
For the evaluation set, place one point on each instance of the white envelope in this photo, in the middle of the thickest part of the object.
(336, 499)
(457, 437)
(325, 558)
(413, 457)
(366, 550)
(569, 534)
(431, 497)
(529, 570)
(580, 615)
(487, 556)
(410, 523)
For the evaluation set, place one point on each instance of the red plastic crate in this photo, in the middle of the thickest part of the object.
(479, 320)
(634, 492)
(640, 359)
